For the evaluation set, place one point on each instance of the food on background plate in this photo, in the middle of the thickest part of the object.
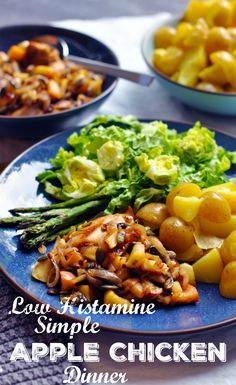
(34, 80)
(200, 51)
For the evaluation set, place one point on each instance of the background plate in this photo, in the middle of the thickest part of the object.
(18, 187)
(79, 44)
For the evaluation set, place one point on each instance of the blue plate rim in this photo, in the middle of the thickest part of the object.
(34, 299)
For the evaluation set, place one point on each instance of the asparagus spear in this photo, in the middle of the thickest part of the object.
(70, 217)
(49, 230)
(61, 205)
(43, 238)
(111, 189)
(24, 220)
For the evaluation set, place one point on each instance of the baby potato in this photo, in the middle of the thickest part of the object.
(213, 74)
(209, 268)
(223, 187)
(232, 33)
(176, 235)
(221, 230)
(215, 208)
(230, 196)
(198, 34)
(186, 208)
(164, 37)
(193, 62)
(190, 255)
(218, 39)
(184, 190)
(153, 214)
(206, 35)
(195, 10)
(228, 249)
(183, 30)
(228, 64)
(228, 281)
(220, 13)
(167, 60)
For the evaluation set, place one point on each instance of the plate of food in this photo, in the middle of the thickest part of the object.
(125, 213)
(193, 55)
(42, 91)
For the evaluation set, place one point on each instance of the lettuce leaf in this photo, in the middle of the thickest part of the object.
(132, 162)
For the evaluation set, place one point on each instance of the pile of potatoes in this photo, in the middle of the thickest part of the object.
(199, 225)
(201, 51)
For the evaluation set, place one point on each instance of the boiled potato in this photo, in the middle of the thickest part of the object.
(184, 190)
(153, 214)
(186, 207)
(220, 13)
(176, 235)
(215, 208)
(194, 60)
(221, 230)
(183, 30)
(190, 255)
(164, 37)
(228, 281)
(209, 268)
(195, 10)
(228, 64)
(219, 188)
(228, 249)
(218, 39)
(230, 196)
(206, 35)
(167, 60)
(213, 74)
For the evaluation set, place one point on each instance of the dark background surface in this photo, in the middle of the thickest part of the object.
(35, 11)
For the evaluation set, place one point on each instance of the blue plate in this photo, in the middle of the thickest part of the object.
(18, 187)
(79, 44)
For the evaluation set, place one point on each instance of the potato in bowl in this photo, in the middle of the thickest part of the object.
(194, 56)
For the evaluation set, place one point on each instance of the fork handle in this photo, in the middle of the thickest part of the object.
(113, 70)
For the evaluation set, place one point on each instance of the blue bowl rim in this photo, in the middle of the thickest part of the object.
(34, 299)
(74, 109)
(165, 77)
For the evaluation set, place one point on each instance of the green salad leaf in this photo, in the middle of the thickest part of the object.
(133, 163)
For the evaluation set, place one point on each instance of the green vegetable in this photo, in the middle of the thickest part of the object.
(131, 162)
(79, 177)
(115, 162)
(110, 155)
(162, 170)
